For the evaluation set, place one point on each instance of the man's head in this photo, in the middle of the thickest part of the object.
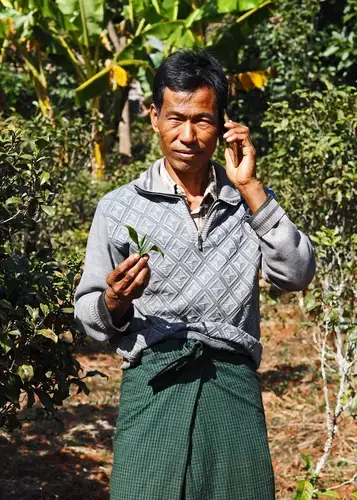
(190, 95)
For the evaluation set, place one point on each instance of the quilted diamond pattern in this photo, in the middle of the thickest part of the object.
(208, 291)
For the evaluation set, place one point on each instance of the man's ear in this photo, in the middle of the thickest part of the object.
(154, 116)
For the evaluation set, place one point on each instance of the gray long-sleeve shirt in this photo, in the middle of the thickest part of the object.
(206, 286)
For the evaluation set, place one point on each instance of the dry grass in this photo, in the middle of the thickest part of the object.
(39, 463)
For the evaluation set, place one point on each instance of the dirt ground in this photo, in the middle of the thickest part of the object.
(39, 463)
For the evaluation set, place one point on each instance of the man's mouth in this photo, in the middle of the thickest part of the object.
(188, 155)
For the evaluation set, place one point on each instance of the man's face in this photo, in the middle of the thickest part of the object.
(188, 126)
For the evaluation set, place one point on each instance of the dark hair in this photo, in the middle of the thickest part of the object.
(188, 70)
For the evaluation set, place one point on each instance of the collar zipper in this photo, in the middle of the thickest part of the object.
(183, 198)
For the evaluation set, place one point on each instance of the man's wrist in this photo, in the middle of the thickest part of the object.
(253, 194)
(116, 306)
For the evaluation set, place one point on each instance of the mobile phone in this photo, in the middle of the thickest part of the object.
(234, 147)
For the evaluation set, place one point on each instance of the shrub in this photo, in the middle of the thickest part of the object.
(312, 167)
(37, 330)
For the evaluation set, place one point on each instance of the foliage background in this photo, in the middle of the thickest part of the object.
(292, 68)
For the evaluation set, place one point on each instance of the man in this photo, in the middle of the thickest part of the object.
(191, 422)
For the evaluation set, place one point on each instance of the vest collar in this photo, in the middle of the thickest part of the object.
(151, 182)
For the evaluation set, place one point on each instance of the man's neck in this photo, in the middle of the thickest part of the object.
(193, 183)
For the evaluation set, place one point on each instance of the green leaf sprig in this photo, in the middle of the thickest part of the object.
(143, 247)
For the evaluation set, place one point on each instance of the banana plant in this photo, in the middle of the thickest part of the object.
(155, 29)
(73, 29)
(16, 29)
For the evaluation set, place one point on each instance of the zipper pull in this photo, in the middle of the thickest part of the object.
(200, 242)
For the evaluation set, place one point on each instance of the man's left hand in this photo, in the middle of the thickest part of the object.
(243, 176)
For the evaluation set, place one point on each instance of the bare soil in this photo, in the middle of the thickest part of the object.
(38, 462)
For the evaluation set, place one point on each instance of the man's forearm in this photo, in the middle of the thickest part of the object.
(287, 255)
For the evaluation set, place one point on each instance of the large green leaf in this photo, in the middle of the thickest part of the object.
(196, 16)
(133, 234)
(48, 333)
(99, 83)
(162, 30)
(51, 10)
(93, 87)
(13, 21)
(169, 9)
(48, 8)
(304, 490)
(229, 6)
(328, 494)
(89, 15)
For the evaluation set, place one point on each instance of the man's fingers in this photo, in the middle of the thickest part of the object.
(236, 131)
(130, 276)
(139, 284)
(243, 139)
(120, 271)
(238, 126)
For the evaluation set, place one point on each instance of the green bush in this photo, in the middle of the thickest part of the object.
(47, 202)
(313, 162)
(313, 168)
(37, 329)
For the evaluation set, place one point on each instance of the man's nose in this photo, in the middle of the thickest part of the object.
(187, 132)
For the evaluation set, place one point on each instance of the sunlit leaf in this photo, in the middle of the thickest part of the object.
(327, 494)
(155, 248)
(100, 83)
(25, 372)
(50, 334)
(6, 343)
(228, 6)
(93, 87)
(48, 210)
(44, 178)
(304, 490)
(253, 79)
(119, 75)
(12, 200)
(307, 461)
(133, 234)
(142, 242)
(92, 14)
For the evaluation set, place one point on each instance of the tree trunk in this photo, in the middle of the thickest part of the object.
(124, 135)
(124, 131)
(98, 152)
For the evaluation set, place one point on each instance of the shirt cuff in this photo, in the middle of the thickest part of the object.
(265, 218)
(104, 317)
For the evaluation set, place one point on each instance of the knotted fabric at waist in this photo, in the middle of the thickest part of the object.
(196, 357)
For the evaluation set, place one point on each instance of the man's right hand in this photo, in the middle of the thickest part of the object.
(126, 283)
